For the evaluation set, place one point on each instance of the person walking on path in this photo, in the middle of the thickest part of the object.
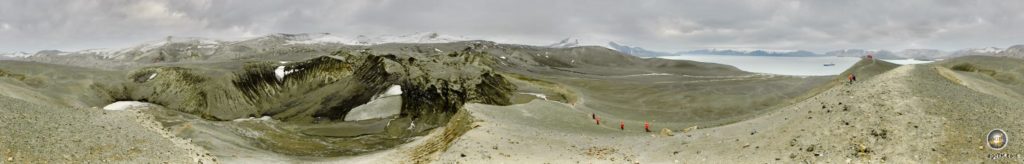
(647, 126)
(851, 78)
(622, 125)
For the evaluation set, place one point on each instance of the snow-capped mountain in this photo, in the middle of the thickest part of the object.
(565, 43)
(327, 38)
(317, 38)
(1013, 51)
(976, 51)
(985, 50)
(751, 52)
(15, 54)
(919, 54)
(637, 51)
(640, 51)
(423, 37)
(205, 46)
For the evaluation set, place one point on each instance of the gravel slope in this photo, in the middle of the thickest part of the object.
(35, 133)
(909, 114)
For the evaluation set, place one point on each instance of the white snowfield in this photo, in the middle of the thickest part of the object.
(394, 90)
(986, 50)
(385, 104)
(128, 105)
(539, 95)
(264, 118)
(281, 72)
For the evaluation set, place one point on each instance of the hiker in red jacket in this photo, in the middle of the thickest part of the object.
(622, 125)
(647, 126)
(597, 120)
(851, 78)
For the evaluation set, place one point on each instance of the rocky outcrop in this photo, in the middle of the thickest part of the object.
(323, 88)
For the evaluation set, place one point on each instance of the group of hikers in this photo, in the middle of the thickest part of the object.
(622, 124)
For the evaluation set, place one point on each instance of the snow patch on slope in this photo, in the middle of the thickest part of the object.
(264, 118)
(127, 105)
(394, 90)
(538, 95)
(281, 72)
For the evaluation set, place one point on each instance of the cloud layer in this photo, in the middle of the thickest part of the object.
(30, 25)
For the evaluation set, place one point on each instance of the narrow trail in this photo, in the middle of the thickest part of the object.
(873, 120)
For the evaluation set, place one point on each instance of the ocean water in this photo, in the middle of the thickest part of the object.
(799, 66)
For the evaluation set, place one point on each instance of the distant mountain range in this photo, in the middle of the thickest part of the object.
(193, 46)
(925, 54)
(641, 52)
(751, 52)
(637, 51)
(918, 54)
(200, 46)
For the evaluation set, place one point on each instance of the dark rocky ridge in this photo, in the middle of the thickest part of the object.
(340, 82)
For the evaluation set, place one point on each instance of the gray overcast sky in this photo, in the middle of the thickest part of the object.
(31, 25)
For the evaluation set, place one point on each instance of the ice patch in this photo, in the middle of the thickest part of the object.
(126, 105)
(378, 108)
(264, 118)
(392, 91)
(539, 95)
(280, 72)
